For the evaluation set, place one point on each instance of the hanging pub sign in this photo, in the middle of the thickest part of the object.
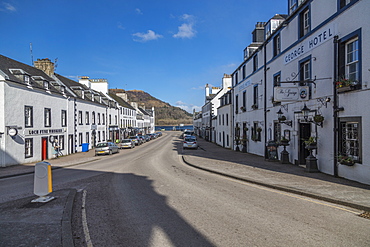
(291, 93)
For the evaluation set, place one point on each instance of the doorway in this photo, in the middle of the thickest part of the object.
(304, 134)
(44, 148)
(70, 144)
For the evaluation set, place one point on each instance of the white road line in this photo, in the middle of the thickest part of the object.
(84, 221)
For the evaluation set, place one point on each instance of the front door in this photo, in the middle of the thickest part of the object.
(304, 134)
(44, 148)
(70, 144)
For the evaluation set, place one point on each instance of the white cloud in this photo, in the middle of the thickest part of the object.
(144, 37)
(8, 7)
(186, 30)
(187, 107)
(138, 11)
(120, 26)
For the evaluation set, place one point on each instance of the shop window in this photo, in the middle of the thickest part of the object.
(350, 138)
(61, 142)
(28, 146)
(80, 140)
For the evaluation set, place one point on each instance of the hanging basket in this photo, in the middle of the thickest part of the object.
(318, 118)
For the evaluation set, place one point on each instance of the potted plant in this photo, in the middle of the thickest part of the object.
(255, 106)
(346, 160)
(243, 108)
(282, 118)
(343, 84)
(245, 129)
(284, 141)
(318, 118)
(311, 142)
(259, 129)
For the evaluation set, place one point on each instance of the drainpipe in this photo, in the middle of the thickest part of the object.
(265, 97)
(335, 108)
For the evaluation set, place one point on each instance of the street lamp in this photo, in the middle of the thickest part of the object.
(305, 111)
(279, 113)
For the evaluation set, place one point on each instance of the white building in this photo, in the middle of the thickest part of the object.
(43, 114)
(209, 110)
(301, 62)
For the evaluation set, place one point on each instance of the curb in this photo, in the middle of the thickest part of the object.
(52, 168)
(282, 188)
(67, 239)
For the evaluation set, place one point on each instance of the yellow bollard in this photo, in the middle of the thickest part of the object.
(43, 182)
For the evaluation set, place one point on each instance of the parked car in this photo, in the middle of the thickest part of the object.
(148, 137)
(142, 138)
(136, 140)
(190, 142)
(187, 133)
(126, 143)
(106, 148)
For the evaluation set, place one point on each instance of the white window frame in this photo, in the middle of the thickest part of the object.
(354, 55)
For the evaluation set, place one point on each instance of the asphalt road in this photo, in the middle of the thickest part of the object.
(148, 197)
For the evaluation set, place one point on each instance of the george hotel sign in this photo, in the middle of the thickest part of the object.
(318, 38)
(291, 93)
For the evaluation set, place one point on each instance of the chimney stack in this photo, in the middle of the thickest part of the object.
(45, 65)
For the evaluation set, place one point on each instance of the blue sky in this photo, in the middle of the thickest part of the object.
(168, 48)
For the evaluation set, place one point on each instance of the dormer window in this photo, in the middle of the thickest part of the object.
(27, 79)
(46, 85)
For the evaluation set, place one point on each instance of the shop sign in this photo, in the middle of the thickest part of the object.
(31, 132)
(291, 93)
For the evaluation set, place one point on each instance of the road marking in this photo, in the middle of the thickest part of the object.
(292, 195)
(84, 221)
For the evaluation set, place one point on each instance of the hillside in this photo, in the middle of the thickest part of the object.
(165, 114)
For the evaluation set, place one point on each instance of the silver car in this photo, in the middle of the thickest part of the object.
(126, 143)
(106, 148)
(190, 142)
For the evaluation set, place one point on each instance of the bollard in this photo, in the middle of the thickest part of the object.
(42, 185)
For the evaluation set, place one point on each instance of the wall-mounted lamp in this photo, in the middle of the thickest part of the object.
(282, 118)
(305, 111)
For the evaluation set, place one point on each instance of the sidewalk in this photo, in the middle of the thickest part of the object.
(54, 218)
(63, 161)
(286, 177)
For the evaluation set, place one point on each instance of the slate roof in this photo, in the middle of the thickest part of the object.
(121, 101)
(13, 71)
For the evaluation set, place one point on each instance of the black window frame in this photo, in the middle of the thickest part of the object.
(342, 54)
(26, 155)
(301, 26)
(80, 120)
(276, 45)
(47, 117)
(63, 118)
(341, 148)
(255, 96)
(87, 117)
(255, 62)
(26, 125)
(343, 6)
